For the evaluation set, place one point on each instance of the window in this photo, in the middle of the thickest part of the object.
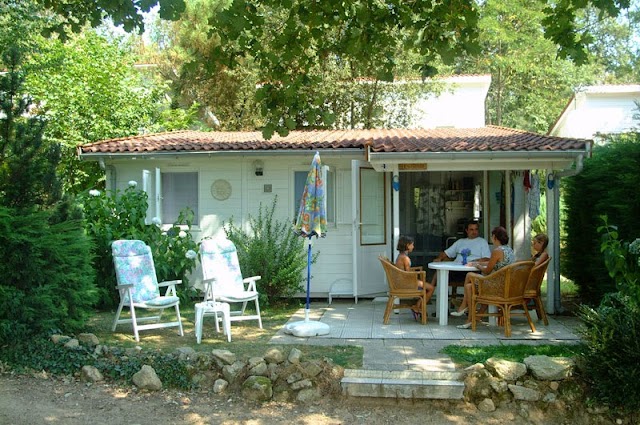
(300, 179)
(372, 207)
(179, 191)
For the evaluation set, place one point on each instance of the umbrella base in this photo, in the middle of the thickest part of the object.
(306, 327)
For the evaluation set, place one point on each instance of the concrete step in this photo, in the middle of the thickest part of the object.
(403, 384)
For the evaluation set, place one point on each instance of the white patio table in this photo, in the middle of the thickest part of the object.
(443, 268)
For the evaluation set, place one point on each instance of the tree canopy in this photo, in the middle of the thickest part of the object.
(293, 43)
(74, 14)
(530, 84)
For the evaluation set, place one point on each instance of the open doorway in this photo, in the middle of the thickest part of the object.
(434, 207)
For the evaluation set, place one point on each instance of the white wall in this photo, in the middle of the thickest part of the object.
(248, 193)
(599, 109)
(461, 104)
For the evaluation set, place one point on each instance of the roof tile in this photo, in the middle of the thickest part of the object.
(489, 138)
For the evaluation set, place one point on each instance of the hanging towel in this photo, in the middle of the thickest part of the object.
(526, 181)
(534, 197)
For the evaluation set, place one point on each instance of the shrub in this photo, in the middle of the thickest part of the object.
(611, 331)
(608, 185)
(271, 249)
(41, 353)
(47, 279)
(622, 260)
(613, 351)
(28, 161)
(118, 215)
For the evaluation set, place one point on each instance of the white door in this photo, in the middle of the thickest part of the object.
(371, 212)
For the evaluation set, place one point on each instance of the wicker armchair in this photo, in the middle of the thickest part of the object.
(503, 289)
(403, 284)
(532, 291)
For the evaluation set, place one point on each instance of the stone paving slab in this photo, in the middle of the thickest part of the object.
(402, 384)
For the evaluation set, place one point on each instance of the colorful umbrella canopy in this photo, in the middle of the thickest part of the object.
(312, 217)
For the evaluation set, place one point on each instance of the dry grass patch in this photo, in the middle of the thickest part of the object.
(247, 338)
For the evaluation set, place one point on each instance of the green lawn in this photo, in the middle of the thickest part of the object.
(466, 356)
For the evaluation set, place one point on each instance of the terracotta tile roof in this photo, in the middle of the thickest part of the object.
(490, 138)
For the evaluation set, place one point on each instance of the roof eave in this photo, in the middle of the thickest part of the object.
(476, 161)
(96, 156)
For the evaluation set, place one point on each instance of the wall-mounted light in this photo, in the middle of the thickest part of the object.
(258, 167)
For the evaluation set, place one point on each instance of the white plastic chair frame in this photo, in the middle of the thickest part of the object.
(224, 281)
(138, 288)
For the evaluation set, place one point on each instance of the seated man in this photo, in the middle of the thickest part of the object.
(477, 246)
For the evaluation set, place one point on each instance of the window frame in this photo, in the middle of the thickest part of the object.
(330, 199)
(164, 198)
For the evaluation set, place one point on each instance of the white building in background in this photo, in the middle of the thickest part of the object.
(456, 101)
(593, 110)
(461, 104)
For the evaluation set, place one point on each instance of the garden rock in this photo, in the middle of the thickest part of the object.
(308, 395)
(304, 383)
(498, 385)
(133, 351)
(186, 353)
(258, 368)
(220, 385)
(72, 343)
(281, 395)
(505, 369)
(547, 368)
(205, 379)
(273, 371)
(478, 385)
(100, 350)
(224, 356)
(274, 355)
(231, 372)
(474, 367)
(88, 339)
(59, 339)
(257, 388)
(294, 356)
(486, 405)
(90, 374)
(523, 393)
(295, 376)
(147, 379)
(312, 369)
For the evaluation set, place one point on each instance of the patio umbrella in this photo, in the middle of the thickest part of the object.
(311, 221)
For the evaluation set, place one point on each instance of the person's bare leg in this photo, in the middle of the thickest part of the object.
(468, 285)
(417, 307)
(430, 290)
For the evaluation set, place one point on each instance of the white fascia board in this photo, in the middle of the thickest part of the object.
(476, 161)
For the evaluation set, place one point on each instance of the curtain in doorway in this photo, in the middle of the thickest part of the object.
(430, 215)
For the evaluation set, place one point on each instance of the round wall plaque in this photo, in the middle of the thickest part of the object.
(221, 189)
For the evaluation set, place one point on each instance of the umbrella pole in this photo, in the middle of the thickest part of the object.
(306, 311)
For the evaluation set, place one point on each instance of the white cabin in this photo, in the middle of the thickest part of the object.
(380, 184)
